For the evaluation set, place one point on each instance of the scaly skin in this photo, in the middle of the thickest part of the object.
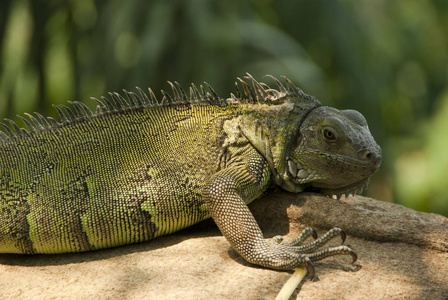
(138, 169)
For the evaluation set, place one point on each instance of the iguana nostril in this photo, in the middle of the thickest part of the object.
(373, 158)
(365, 155)
(370, 157)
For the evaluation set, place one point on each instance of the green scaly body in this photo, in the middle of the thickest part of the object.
(139, 169)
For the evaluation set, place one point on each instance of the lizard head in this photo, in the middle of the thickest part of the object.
(334, 152)
(309, 146)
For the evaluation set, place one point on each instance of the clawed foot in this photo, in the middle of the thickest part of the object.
(308, 251)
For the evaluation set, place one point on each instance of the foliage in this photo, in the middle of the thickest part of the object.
(386, 59)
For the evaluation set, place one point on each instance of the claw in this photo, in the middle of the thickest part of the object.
(310, 268)
(354, 256)
(343, 236)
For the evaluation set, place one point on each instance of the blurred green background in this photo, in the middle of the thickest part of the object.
(387, 59)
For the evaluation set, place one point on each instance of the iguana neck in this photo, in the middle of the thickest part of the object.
(273, 130)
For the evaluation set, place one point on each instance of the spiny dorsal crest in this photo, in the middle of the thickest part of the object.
(259, 92)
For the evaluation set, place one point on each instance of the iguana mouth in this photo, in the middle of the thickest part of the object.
(349, 161)
(352, 189)
(304, 175)
(336, 193)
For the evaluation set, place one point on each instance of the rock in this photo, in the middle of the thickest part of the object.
(401, 254)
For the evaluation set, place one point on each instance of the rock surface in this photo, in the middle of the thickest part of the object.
(402, 254)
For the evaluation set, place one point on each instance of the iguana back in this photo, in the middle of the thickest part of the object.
(107, 180)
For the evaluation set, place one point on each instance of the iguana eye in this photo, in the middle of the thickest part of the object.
(329, 135)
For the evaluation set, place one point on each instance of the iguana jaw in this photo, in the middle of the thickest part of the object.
(308, 179)
(353, 189)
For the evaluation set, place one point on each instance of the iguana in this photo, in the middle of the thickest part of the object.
(138, 168)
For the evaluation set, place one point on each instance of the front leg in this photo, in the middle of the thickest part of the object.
(226, 195)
